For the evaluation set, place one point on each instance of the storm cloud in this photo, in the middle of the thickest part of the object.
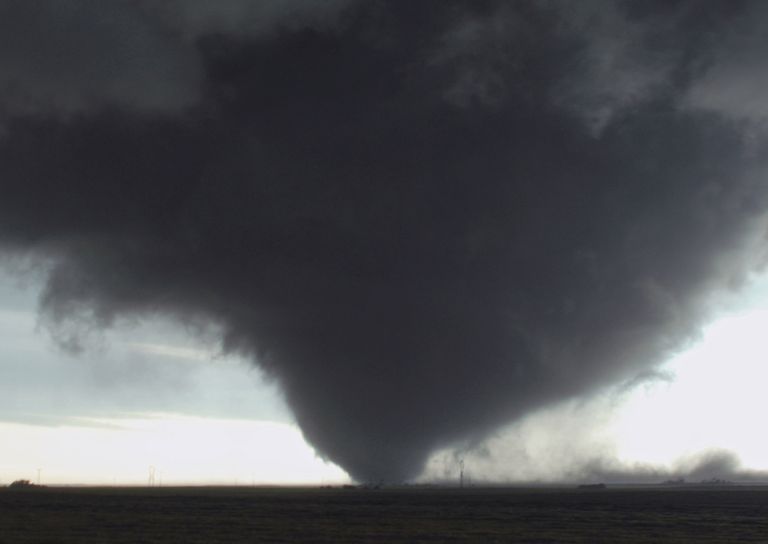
(423, 220)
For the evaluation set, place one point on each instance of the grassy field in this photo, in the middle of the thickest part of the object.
(190, 515)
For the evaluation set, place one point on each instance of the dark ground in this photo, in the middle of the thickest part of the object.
(90, 515)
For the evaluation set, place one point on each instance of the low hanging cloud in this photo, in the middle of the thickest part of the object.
(401, 217)
(708, 467)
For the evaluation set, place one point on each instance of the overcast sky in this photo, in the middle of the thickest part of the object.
(395, 228)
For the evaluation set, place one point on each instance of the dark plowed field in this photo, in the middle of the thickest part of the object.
(204, 515)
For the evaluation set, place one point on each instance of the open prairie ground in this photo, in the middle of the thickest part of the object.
(211, 514)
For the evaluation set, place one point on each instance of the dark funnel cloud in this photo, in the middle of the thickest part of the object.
(421, 219)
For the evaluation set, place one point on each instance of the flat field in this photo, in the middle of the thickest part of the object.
(210, 514)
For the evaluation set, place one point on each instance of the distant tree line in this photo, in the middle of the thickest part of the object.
(23, 484)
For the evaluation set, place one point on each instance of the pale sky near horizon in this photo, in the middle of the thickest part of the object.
(199, 418)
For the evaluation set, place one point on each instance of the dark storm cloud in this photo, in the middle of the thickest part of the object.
(64, 58)
(736, 74)
(422, 219)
